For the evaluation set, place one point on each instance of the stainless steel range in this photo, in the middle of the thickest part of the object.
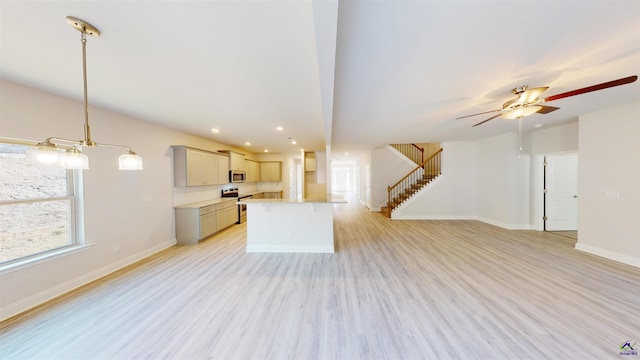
(242, 209)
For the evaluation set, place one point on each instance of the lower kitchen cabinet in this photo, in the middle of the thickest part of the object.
(194, 223)
(208, 225)
(272, 195)
(226, 216)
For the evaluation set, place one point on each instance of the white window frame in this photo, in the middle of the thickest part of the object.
(76, 228)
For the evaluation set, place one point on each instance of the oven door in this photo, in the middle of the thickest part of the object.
(242, 210)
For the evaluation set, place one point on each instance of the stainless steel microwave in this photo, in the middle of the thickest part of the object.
(237, 176)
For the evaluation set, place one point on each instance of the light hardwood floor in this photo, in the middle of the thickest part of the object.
(393, 290)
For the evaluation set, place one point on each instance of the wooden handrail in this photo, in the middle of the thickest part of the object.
(414, 170)
(421, 151)
(435, 164)
(411, 151)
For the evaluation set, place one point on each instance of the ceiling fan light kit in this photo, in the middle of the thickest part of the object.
(521, 111)
(49, 152)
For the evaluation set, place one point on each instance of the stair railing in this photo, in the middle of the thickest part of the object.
(412, 151)
(430, 169)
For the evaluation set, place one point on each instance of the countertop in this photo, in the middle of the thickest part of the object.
(200, 204)
(322, 199)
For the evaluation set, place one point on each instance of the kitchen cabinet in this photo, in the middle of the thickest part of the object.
(226, 215)
(252, 169)
(271, 171)
(236, 160)
(208, 222)
(195, 222)
(272, 195)
(194, 167)
(223, 170)
(310, 164)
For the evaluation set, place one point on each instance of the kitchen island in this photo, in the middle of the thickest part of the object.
(291, 225)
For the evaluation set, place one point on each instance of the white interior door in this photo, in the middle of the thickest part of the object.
(561, 197)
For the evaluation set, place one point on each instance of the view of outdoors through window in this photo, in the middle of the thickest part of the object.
(35, 206)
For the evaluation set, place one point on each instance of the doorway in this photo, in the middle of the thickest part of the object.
(342, 179)
(560, 194)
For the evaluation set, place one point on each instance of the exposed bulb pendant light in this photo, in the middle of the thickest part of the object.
(48, 152)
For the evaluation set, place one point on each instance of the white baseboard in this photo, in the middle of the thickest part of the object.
(432, 217)
(608, 254)
(505, 225)
(51, 293)
(463, 217)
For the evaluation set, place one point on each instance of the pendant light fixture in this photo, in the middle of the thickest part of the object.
(49, 151)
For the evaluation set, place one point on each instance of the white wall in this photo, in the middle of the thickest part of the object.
(453, 194)
(555, 139)
(387, 167)
(488, 180)
(609, 183)
(132, 210)
(503, 182)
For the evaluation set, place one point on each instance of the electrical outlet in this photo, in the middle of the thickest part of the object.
(116, 248)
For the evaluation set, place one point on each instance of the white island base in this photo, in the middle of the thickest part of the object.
(282, 225)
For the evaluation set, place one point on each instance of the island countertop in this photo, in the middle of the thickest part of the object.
(291, 225)
(321, 199)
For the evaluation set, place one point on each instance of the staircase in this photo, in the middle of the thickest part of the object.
(412, 151)
(413, 182)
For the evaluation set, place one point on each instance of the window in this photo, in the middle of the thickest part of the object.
(37, 206)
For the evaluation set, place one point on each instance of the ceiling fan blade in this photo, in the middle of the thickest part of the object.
(546, 109)
(482, 122)
(486, 112)
(623, 81)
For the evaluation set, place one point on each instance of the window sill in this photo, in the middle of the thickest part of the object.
(37, 260)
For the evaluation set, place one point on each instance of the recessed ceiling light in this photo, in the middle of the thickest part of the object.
(266, 150)
(215, 131)
(280, 128)
(537, 125)
(247, 143)
(293, 142)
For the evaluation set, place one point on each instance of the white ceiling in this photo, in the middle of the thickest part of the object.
(352, 74)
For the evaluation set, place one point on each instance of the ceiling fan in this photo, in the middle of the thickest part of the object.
(528, 101)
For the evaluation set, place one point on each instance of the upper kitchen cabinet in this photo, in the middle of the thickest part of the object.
(309, 164)
(194, 167)
(236, 160)
(252, 169)
(271, 171)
